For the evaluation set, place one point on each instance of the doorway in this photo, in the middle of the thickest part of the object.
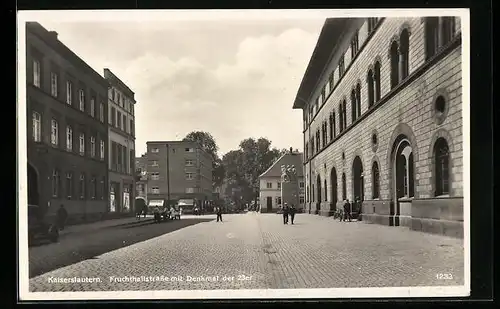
(269, 203)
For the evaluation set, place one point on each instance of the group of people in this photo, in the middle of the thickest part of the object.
(348, 208)
(288, 212)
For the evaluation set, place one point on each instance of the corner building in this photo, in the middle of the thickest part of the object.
(67, 132)
(382, 110)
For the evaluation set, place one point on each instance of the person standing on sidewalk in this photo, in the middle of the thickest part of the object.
(219, 214)
(292, 211)
(62, 216)
(347, 210)
(285, 213)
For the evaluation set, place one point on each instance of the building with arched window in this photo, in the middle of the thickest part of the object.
(400, 151)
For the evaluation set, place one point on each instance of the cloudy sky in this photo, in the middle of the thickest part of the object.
(233, 77)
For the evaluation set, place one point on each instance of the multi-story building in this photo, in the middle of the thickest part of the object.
(121, 145)
(178, 170)
(270, 183)
(141, 184)
(382, 110)
(67, 131)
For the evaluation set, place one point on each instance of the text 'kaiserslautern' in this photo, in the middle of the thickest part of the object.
(74, 280)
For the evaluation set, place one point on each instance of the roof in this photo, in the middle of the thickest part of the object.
(117, 82)
(329, 35)
(50, 38)
(288, 158)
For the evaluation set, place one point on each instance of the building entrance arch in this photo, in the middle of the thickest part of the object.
(318, 188)
(358, 179)
(403, 174)
(333, 181)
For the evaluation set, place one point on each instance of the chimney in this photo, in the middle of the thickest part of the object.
(53, 34)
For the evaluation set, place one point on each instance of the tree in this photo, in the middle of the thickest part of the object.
(244, 166)
(208, 144)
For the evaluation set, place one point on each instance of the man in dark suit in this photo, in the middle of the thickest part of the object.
(347, 210)
(219, 214)
(285, 213)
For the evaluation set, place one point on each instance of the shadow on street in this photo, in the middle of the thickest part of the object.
(79, 247)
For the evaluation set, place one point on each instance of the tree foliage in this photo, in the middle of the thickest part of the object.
(244, 166)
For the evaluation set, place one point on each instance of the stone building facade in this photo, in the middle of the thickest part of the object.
(178, 170)
(382, 110)
(67, 138)
(121, 125)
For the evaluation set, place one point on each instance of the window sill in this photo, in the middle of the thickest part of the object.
(405, 199)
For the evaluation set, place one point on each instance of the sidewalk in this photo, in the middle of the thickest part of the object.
(79, 228)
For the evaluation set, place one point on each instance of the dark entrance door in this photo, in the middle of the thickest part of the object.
(33, 195)
(269, 204)
(333, 181)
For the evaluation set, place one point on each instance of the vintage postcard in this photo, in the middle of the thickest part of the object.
(258, 154)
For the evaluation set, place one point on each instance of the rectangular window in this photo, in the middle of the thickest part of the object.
(189, 176)
(155, 190)
(53, 84)
(118, 119)
(37, 73)
(155, 176)
(93, 188)
(155, 150)
(92, 107)
(69, 92)
(330, 82)
(354, 45)
(37, 127)
(301, 184)
(189, 190)
(189, 149)
(189, 162)
(132, 127)
(54, 133)
(103, 187)
(154, 163)
(81, 99)
(101, 112)
(82, 144)
(69, 138)
(124, 122)
(301, 200)
(55, 183)
(92, 146)
(102, 149)
(69, 185)
(82, 186)
(269, 185)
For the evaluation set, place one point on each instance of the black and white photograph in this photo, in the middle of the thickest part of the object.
(238, 154)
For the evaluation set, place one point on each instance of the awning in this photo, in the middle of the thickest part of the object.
(156, 202)
(186, 202)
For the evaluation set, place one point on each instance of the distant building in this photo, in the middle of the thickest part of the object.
(67, 133)
(121, 122)
(270, 183)
(141, 172)
(178, 170)
(382, 113)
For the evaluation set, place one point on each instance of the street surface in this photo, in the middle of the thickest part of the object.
(86, 241)
(257, 251)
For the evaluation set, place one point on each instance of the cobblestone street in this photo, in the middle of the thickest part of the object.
(257, 251)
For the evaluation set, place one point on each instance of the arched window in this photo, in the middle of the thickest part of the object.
(431, 36)
(344, 113)
(344, 187)
(441, 165)
(370, 81)
(394, 64)
(326, 191)
(354, 105)
(376, 77)
(331, 125)
(404, 54)
(341, 120)
(334, 125)
(358, 99)
(375, 181)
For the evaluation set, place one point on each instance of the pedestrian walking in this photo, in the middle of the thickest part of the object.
(285, 213)
(62, 216)
(292, 212)
(219, 214)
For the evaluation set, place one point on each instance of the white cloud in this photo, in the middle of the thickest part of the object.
(245, 90)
